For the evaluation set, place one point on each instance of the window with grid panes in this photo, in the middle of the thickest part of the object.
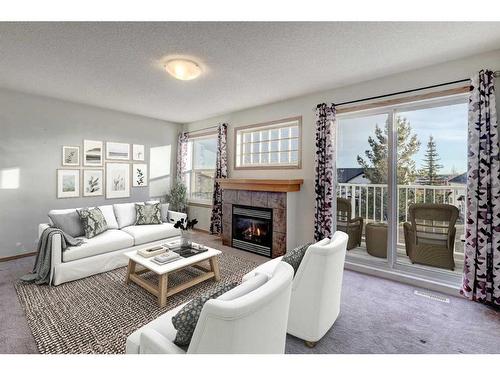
(269, 145)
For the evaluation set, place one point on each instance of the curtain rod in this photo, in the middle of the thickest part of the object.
(200, 130)
(402, 92)
(496, 73)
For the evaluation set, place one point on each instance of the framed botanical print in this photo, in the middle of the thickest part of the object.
(140, 175)
(71, 156)
(117, 180)
(93, 182)
(138, 152)
(117, 151)
(68, 183)
(92, 153)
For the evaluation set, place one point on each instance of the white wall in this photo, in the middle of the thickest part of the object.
(33, 130)
(304, 105)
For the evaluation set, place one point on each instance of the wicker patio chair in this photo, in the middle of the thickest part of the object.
(345, 223)
(430, 234)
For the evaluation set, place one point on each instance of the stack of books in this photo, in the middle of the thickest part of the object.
(165, 258)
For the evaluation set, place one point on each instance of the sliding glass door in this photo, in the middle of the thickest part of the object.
(362, 183)
(402, 171)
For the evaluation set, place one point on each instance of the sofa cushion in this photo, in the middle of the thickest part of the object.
(148, 214)
(186, 319)
(109, 215)
(148, 233)
(68, 221)
(93, 221)
(106, 242)
(125, 214)
(245, 287)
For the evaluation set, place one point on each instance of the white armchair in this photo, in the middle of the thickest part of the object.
(316, 288)
(251, 318)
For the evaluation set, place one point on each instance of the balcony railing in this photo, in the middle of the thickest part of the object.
(369, 201)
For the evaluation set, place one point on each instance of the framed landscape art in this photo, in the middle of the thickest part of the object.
(117, 151)
(68, 183)
(138, 152)
(140, 175)
(117, 180)
(93, 182)
(71, 156)
(92, 153)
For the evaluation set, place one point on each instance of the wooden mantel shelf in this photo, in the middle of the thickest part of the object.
(283, 186)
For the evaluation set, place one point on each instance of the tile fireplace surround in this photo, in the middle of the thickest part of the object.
(279, 195)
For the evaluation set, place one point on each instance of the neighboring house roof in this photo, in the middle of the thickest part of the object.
(460, 179)
(347, 174)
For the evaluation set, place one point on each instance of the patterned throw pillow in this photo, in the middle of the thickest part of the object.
(148, 214)
(186, 319)
(93, 221)
(294, 257)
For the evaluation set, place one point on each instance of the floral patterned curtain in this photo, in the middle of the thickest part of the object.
(481, 279)
(325, 180)
(220, 172)
(181, 155)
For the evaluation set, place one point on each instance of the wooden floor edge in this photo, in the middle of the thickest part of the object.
(14, 257)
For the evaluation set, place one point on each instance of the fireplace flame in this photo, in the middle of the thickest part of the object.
(252, 231)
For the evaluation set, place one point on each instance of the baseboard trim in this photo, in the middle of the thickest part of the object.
(14, 257)
(201, 230)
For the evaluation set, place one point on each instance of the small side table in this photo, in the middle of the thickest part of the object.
(376, 239)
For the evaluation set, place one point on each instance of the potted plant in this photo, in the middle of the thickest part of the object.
(185, 226)
(177, 197)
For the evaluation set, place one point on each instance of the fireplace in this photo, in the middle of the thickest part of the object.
(253, 229)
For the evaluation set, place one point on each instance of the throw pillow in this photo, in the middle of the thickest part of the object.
(68, 222)
(109, 215)
(93, 221)
(294, 257)
(148, 214)
(125, 214)
(164, 212)
(186, 319)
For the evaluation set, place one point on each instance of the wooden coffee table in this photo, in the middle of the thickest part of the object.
(138, 265)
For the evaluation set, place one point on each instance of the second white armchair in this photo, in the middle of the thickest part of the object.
(316, 288)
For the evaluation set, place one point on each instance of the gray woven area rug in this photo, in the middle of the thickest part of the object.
(96, 314)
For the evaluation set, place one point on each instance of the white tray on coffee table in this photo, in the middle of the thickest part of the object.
(138, 265)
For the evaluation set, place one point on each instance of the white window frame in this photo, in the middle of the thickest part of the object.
(240, 132)
(191, 172)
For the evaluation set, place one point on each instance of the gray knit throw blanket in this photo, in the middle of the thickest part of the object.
(43, 263)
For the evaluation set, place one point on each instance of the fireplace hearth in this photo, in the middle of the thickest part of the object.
(253, 229)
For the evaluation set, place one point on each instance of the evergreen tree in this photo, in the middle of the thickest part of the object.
(431, 167)
(375, 167)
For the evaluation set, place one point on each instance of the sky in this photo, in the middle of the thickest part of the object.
(447, 124)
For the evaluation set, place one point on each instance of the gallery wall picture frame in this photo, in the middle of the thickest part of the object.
(139, 175)
(117, 180)
(138, 152)
(71, 156)
(92, 153)
(68, 183)
(93, 182)
(117, 151)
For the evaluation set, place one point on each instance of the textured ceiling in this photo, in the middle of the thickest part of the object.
(118, 65)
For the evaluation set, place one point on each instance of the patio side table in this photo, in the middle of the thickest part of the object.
(376, 239)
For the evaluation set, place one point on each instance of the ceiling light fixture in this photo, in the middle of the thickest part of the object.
(183, 69)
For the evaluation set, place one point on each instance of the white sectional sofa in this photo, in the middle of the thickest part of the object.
(105, 252)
